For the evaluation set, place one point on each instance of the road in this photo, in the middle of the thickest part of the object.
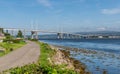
(22, 56)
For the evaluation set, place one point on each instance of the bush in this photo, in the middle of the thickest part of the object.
(16, 41)
(6, 40)
(11, 49)
(13, 40)
(34, 39)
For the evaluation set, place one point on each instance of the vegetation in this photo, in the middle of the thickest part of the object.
(8, 38)
(10, 47)
(20, 35)
(33, 39)
(43, 66)
(10, 43)
(6, 33)
(11, 39)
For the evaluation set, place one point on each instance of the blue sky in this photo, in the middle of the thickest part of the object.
(65, 15)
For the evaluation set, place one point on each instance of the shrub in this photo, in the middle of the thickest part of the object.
(16, 41)
(11, 49)
(34, 39)
(6, 40)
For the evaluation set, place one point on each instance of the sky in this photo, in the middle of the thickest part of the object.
(61, 15)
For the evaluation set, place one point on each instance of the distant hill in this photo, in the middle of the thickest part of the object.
(100, 33)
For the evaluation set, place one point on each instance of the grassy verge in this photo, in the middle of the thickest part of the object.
(8, 47)
(43, 66)
(47, 67)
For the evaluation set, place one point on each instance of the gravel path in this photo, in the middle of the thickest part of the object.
(22, 56)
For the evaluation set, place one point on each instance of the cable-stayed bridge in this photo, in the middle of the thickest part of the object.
(60, 35)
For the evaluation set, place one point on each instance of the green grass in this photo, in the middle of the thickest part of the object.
(10, 47)
(48, 68)
(43, 66)
(46, 52)
(2, 53)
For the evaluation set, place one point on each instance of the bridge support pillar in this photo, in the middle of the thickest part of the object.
(60, 35)
(34, 35)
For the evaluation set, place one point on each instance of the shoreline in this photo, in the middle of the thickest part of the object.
(86, 51)
(78, 65)
(93, 55)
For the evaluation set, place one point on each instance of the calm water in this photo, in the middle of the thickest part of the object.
(107, 57)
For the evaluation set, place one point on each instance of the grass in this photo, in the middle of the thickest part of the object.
(2, 53)
(46, 66)
(43, 66)
(46, 52)
(8, 47)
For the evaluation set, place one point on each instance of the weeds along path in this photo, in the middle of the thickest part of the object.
(22, 56)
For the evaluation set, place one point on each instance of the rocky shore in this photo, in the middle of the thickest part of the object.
(97, 62)
(62, 56)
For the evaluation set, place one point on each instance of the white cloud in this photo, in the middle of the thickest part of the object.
(111, 11)
(46, 3)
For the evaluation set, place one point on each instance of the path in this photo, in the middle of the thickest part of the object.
(22, 56)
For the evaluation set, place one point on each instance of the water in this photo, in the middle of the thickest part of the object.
(106, 59)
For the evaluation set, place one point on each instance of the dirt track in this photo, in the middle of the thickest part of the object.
(24, 55)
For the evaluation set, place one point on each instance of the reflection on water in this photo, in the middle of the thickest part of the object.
(107, 58)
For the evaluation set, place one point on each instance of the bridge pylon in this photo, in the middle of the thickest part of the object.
(59, 35)
(34, 35)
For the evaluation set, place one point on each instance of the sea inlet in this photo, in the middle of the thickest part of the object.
(101, 56)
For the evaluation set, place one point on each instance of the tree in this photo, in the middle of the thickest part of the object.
(19, 34)
(8, 38)
(7, 34)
